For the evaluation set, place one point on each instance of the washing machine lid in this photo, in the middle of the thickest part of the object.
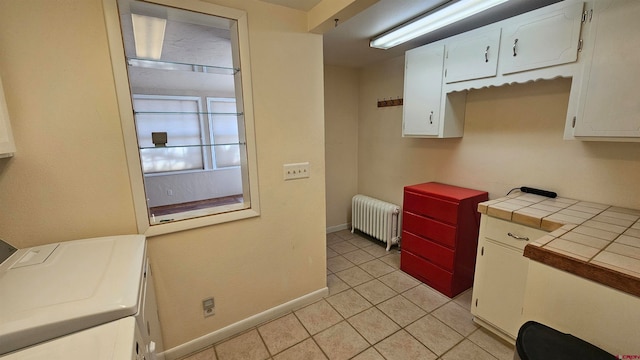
(117, 340)
(57, 289)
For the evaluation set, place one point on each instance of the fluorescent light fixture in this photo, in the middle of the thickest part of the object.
(432, 21)
(148, 33)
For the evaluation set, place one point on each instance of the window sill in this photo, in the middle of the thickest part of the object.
(172, 223)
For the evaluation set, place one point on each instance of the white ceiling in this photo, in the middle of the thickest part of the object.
(304, 5)
(348, 43)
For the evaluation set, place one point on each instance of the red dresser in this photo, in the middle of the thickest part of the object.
(440, 235)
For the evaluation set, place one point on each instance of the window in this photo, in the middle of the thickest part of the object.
(178, 118)
(224, 132)
(186, 133)
(186, 110)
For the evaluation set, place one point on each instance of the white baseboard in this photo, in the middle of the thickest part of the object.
(336, 228)
(236, 328)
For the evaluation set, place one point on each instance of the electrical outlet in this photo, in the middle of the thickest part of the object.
(208, 307)
(296, 171)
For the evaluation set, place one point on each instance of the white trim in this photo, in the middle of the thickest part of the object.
(332, 229)
(240, 326)
(118, 63)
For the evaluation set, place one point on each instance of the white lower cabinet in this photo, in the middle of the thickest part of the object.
(598, 314)
(150, 318)
(500, 276)
(608, 102)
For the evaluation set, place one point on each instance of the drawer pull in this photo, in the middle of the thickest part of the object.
(518, 237)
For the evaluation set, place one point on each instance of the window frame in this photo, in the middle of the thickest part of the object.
(240, 36)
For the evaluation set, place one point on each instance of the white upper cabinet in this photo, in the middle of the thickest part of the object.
(608, 105)
(422, 91)
(549, 38)
(595, 45)
(7, 146)
(472, 57)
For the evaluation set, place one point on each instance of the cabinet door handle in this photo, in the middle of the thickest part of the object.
(515, 42)
(486, 55)
(518, 237)
(431, 118)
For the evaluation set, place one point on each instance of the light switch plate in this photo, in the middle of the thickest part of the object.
(296, 171)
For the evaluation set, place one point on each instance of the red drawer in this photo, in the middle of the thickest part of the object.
(427, 272)
(429, 250)
(431, 207)
(429, 228)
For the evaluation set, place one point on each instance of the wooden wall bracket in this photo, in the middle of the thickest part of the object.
(390, 102)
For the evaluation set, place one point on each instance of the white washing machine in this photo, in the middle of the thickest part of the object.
(59, 289)
(116, 340)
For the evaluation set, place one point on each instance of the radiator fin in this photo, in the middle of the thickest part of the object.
(376, 218)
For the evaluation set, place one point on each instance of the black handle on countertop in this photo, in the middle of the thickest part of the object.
(531, 190)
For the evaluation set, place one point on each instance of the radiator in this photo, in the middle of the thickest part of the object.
(376, 218)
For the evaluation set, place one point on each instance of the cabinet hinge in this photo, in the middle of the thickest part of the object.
(482, 249)
(476, 302)
(580, 43)
(445, 72)
(587, 15)
(573, 124)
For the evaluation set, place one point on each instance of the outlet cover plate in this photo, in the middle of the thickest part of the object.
(208, 307)
(296, 171)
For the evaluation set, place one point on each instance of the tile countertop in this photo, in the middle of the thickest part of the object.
(595, 241)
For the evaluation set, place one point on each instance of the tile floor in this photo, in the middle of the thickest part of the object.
(374, 311)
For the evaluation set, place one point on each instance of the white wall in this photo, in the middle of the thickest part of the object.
(192, 186)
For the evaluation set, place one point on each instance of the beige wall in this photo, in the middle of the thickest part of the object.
(69, 177)
(341, 143)
(512, 138)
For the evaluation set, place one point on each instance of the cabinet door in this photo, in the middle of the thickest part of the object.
(499, 285)
(608, 101)
(550, 38)
(150, 318)
(473, 57)
(7, 147)
(422, 91)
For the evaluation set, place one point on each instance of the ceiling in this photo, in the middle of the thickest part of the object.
(304, 5)
(348, 43)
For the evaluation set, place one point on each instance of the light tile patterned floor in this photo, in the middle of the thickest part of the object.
(374, 311)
